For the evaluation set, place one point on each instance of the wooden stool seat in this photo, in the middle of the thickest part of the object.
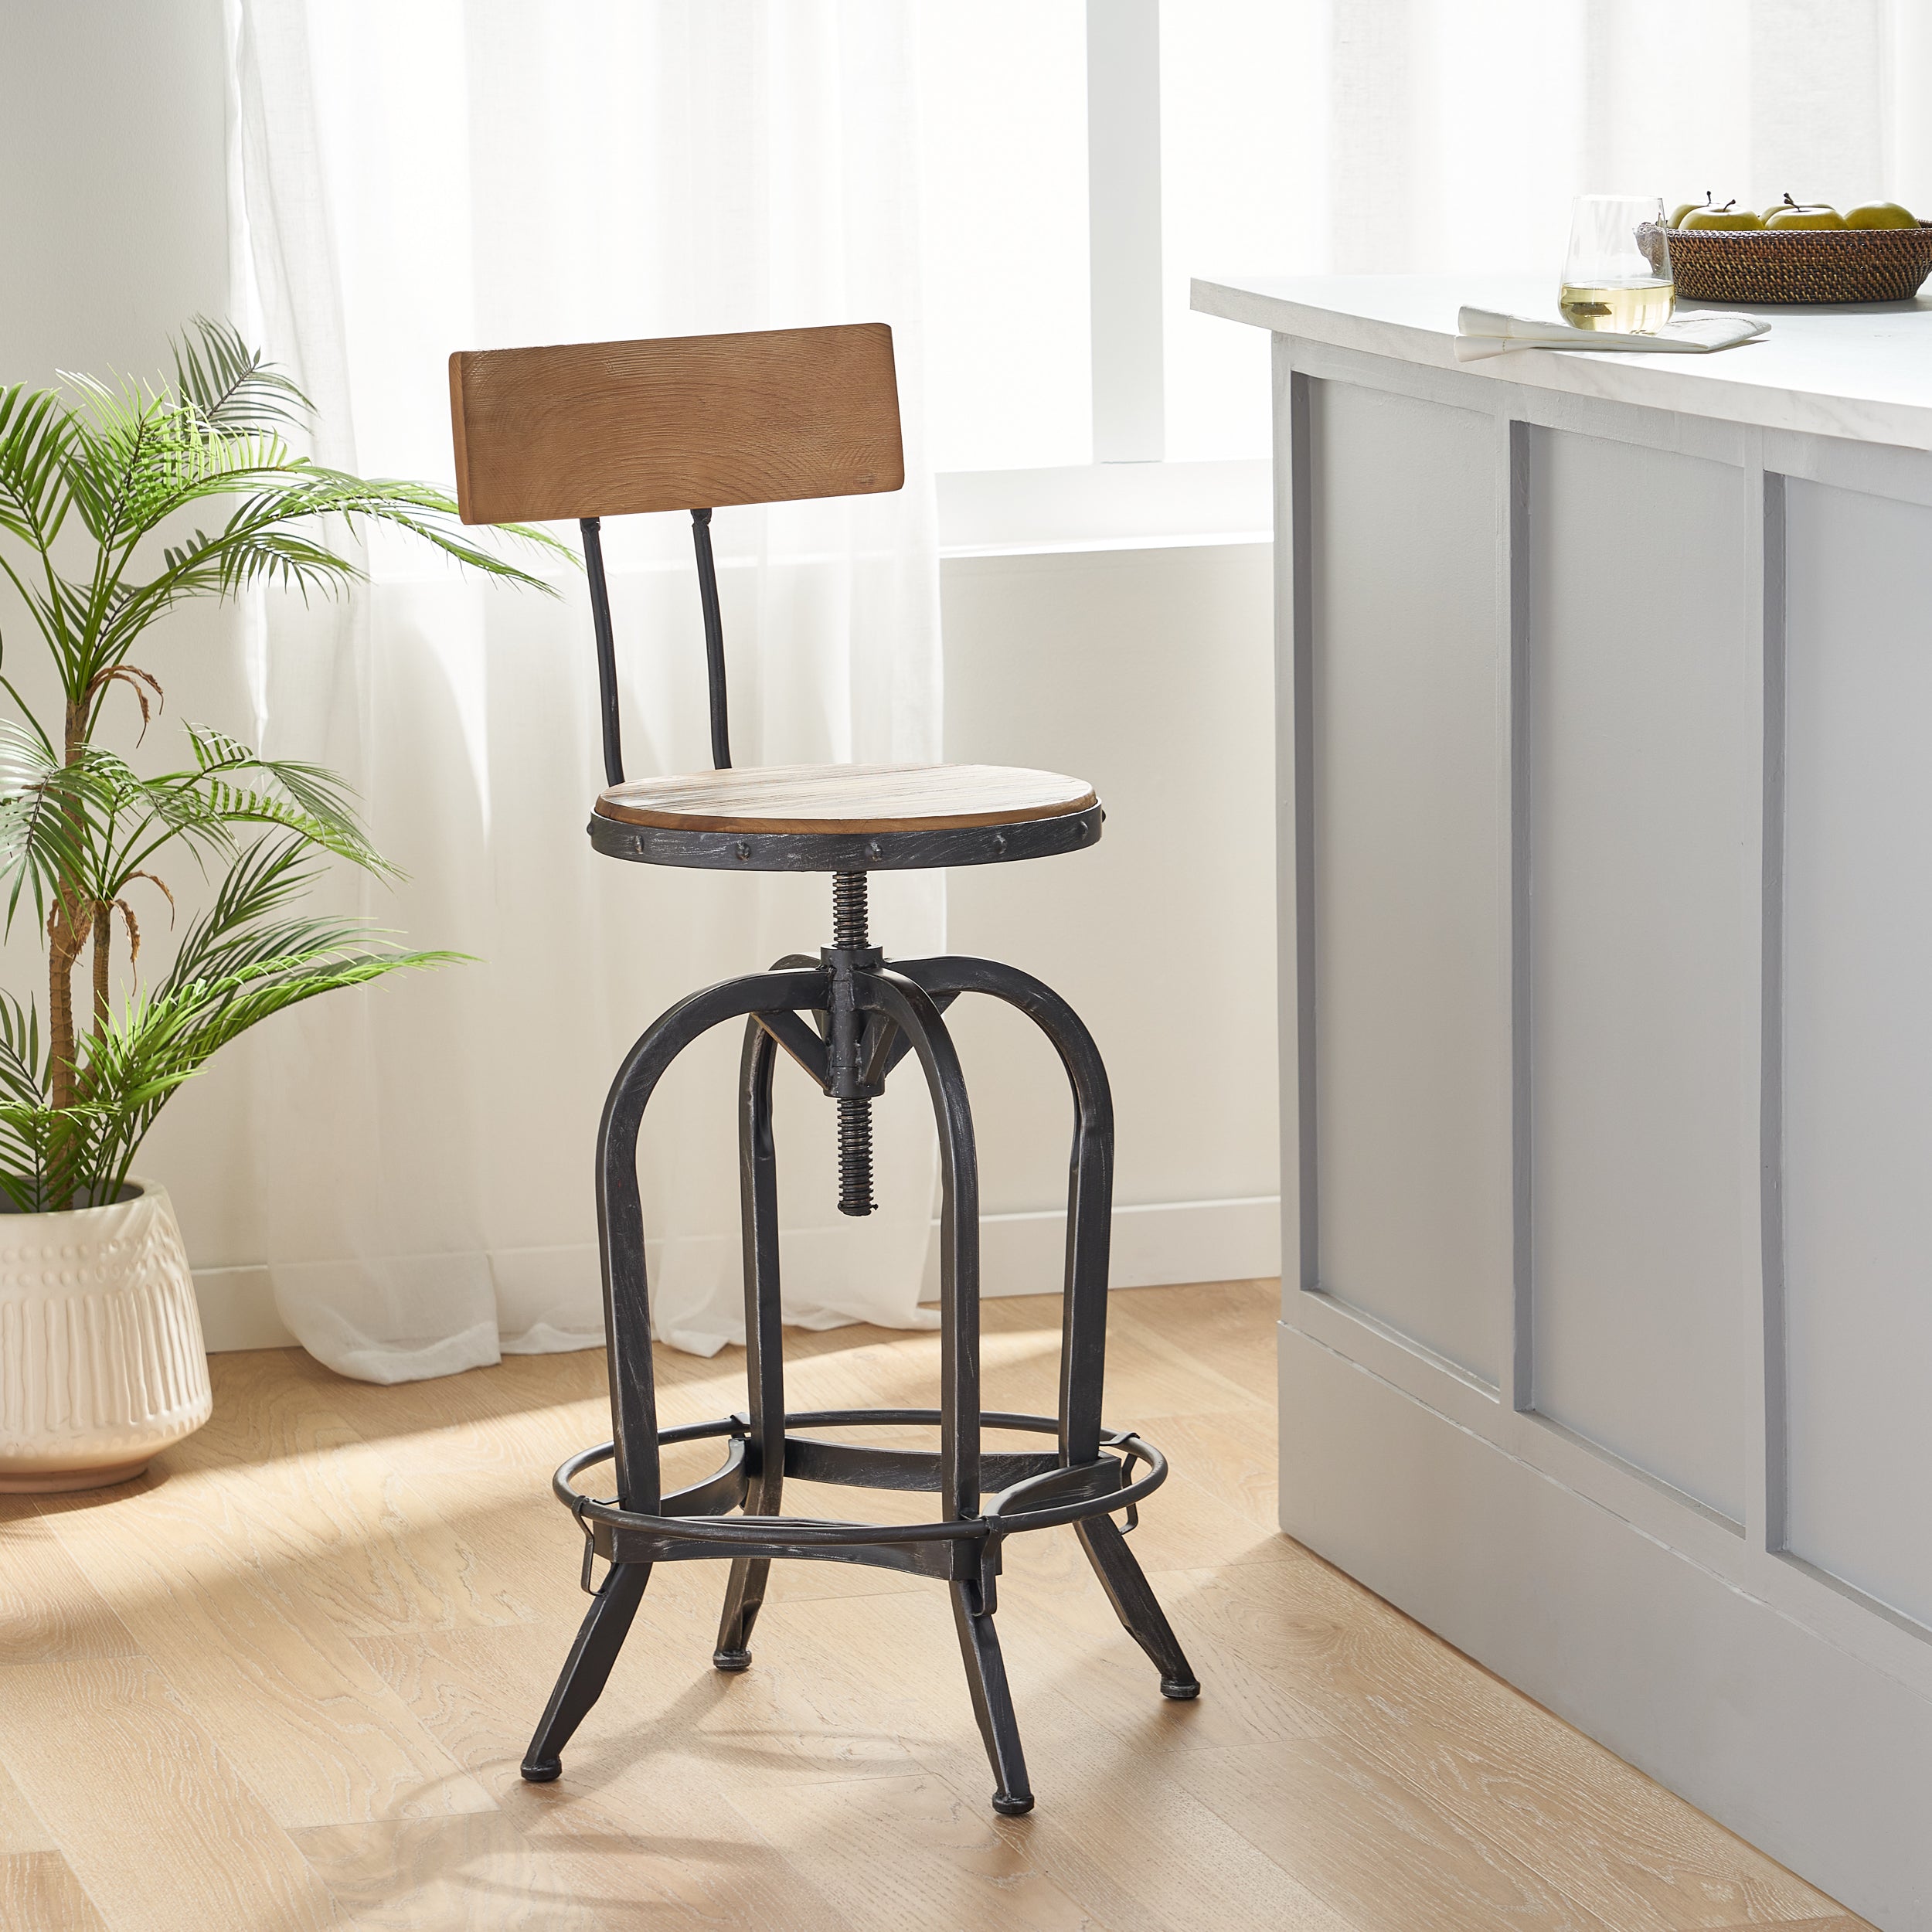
(845, 798)
(845, 818)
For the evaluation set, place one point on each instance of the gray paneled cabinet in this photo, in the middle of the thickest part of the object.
(1605, 759)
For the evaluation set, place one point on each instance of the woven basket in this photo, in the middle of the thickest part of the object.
(1799, 264)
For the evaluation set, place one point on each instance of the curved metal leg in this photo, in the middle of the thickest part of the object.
(764, 1345)
(626, 1298)
(907, 1006)
(587, 1670)
(904, 1002)
(1084, 1334)
(627, 1327)
(1090, 1195)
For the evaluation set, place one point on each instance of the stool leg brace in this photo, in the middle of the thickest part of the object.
(1085, 1480)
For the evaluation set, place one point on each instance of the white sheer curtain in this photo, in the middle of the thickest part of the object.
(411, 180)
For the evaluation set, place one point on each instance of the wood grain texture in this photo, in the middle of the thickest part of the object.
(610, 429)
(846, 798)
(1837, 1922)
(351, 1601)
(660, 1826)
(244, 1635)
(38, 1892)
(49, 1611)
(919, 1849)
(150, 1815)
(1493, 1766)
(475, 1873)
(21, 1829)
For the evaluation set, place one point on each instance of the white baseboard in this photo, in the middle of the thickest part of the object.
(1171, 1241)
(1236, 1240)
(238, 1310)
(1820, 1759)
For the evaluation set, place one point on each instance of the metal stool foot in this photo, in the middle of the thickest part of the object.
(744, 1596)
(992, 1702)
(1135, 1603)
(587, 1668)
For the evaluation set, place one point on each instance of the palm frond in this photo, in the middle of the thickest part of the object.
(162, 1039)
(140, 456)
(44, 828)
(233, 387)
(238, 929)
(128, 449)
(20, 1057)
(36, 432)
(299, 797)
(432, 514)
(236, 559)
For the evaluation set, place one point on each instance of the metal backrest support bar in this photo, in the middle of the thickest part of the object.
(607, 645)
(606, 650)
(714, 639)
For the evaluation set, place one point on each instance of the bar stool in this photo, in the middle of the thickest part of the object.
(595, 430)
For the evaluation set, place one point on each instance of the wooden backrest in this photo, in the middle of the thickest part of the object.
(606, 428)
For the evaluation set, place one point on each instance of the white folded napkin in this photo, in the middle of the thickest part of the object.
(1482, 331)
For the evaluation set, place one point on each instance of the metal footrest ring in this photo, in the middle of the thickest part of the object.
(1037, 1491)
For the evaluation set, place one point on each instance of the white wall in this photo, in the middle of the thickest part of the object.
(114, 218)
(1146, 672)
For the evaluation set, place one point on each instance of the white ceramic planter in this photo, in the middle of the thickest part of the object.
(102, 1364)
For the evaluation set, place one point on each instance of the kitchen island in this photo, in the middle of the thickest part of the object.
(1604, 697)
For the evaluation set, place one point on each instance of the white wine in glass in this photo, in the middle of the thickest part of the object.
(1617, 275)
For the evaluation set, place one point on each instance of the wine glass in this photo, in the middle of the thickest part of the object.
(1617, 275)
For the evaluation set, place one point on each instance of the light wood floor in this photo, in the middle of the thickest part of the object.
(286, 1680)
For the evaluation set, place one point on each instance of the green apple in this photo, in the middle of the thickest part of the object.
(1684, 208)
(1880, 214)
(1803, 214)
(1729, 215)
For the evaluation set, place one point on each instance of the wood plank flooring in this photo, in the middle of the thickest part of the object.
(286, 1679)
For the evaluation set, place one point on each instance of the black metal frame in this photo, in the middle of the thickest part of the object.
(870, 1015)
(591, 530)
(1086, 1479)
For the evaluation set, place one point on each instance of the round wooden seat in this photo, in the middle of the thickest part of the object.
(846, 798)
(846, 817)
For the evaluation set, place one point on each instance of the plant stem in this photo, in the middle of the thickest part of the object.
(66, 934)
(103, 943)
(64, 940)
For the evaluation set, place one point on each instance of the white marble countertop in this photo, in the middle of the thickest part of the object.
(1864, 372)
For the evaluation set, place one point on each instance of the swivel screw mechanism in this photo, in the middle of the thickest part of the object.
(851, 949)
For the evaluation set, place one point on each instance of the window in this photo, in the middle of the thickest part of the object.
(1083, 160)
(1003, 109)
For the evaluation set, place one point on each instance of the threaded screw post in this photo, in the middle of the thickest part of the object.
(850, 915)
(849, 912)
(855, 1157)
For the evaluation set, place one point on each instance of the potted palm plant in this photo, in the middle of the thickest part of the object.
(101, 1360)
